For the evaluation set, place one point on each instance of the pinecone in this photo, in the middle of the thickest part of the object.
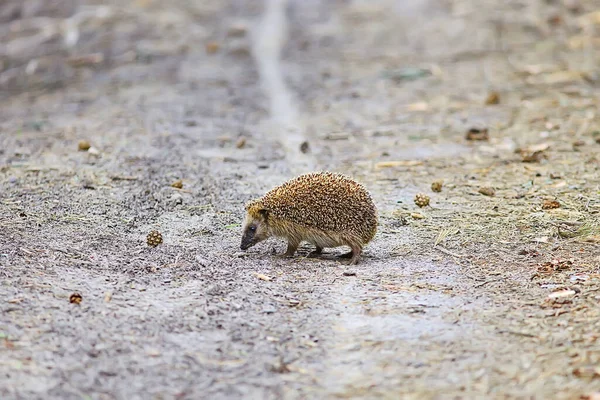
(437, 186)
(422, 200)
(154, 238)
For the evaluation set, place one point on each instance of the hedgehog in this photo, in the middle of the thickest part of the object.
(325, 209)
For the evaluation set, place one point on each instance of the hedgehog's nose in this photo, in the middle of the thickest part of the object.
(246, 243)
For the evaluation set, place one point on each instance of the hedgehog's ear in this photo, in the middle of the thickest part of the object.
(264, 213)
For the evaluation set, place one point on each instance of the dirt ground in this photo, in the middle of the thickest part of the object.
(491, 291)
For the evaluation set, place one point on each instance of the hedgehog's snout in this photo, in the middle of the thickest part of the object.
(245, 245)
(248, 238)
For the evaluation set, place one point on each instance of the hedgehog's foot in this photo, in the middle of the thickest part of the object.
(291, 249)
(316, 252)
(354, 259)
(353, 255)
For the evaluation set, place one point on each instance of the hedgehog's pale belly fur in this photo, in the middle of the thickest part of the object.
(325, 209)
(298, 233)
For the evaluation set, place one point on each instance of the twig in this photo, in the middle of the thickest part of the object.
(123, 178)
(486, 282)
(448, 252)
(517, 333)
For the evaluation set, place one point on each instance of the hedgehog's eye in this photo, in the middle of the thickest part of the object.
(252, 228)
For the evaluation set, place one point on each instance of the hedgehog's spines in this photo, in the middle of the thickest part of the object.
(323, 208)
(324, 200)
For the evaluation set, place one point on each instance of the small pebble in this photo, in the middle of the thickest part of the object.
(93, 151)
(237, 29)
(176, 199)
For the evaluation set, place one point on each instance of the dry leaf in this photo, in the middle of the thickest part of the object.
(591, 396)
(555, 78)
(533, 153)
(590, 18)
(580, 41)
(477, 134)
(593, 239)
(587, 372)
(537, 69)
(487, 191)
(241, 142)
(550, 205)
(420, 106)
(492, 98)
(153, 352)
(212, 47)
(263, 277)
(86, 60)
(402, 163)
(562, 293)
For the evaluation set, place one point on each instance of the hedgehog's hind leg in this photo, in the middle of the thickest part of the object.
(353, 255)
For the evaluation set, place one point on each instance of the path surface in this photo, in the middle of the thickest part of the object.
(472, 297)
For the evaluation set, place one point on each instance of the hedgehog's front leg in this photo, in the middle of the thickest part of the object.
(317, 252)
(291, 247)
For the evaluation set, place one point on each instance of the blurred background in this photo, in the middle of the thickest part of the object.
(325, 66)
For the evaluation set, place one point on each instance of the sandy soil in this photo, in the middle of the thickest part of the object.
(474, 296)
